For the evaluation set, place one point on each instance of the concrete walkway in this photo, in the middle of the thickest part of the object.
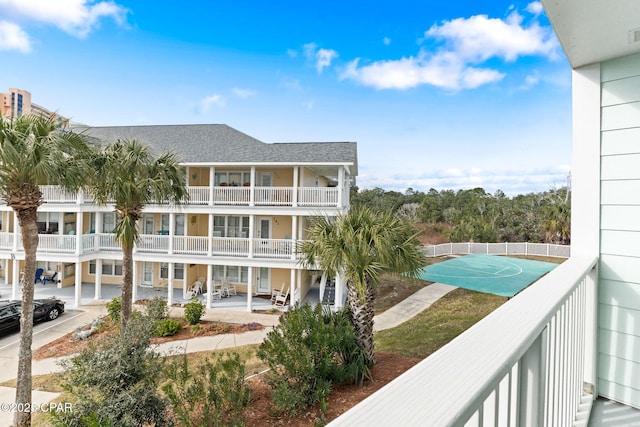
(72, 319)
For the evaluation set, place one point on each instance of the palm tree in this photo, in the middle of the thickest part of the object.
(130, 176)
(360, 245)
(34, 151)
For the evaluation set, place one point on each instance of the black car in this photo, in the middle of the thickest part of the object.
(43, 309)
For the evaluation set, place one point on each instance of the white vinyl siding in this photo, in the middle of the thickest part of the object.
(619, 282)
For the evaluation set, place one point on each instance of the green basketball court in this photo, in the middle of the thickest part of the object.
(487, 273)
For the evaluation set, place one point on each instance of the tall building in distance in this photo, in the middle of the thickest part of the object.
(17, 102)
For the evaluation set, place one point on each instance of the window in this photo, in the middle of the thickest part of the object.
(233, 273)
(232, 178)
(110, 267)
(179, 223)
(108, 222)
(164, 270)
(178, 271)
(48, 222)
(230, 226)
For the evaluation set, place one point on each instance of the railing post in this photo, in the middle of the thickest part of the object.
(531, 391)
(591, 332)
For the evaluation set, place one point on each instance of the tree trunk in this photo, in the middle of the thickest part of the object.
(362, 319)
(27, 219)
(127, 284)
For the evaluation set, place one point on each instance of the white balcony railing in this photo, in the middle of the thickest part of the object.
(226, 196)
(529, 363)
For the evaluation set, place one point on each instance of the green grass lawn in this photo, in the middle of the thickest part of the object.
(447, 318)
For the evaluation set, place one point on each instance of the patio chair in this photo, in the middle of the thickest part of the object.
(39, 273)
(51, 278)
(228, 288)
(194, 290)
(281, 299)
(274, 293)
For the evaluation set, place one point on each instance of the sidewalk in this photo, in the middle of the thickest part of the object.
(72, 319)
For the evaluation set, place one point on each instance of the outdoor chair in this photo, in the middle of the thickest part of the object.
(227, 288)
(194, 290)
(51, 278)
(281, 299)
(39, 273)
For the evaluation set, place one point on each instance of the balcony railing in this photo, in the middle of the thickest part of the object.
(160, 244)
(529, 363)
(229, 196)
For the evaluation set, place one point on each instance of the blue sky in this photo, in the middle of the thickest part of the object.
(444, 95)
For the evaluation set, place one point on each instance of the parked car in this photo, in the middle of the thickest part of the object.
(43, 309)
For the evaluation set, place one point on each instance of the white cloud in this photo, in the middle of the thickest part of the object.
(535, 8)
(465, 45)
(243, 93)
(212, 100)
(321, 58)
(76, 17)
(12, 37)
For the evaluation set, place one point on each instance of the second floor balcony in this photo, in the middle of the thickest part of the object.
(313, 197)
(159, 244)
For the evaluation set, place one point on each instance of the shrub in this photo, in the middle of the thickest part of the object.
(213, 394)
(114, 307)
(193, 311)
(307, 352)
(115, 382)
(166, 327)
(157, 308)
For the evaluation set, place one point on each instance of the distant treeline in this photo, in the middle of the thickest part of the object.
(477, 216)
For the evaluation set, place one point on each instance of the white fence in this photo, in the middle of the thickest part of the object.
(529, 363)
(505, 248)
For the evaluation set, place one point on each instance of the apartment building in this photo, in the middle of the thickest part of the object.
(249, 205)
(17, 102)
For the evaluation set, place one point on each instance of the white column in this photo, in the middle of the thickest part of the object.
(134, 283)
(172, 230)
(294, 236)
(16, 278)
(341, 185)
(295, 185)
(78, 285)
(210, 236)
(585, 174)
(170, 285)
(184, 278)
(209, 285)
(339, 292)
(98, 230)
(252, 225)
(78, 231)
(16, 232)
(293, 287)
(212, 181)
(252, 192)
(98, 290)
(250, 284)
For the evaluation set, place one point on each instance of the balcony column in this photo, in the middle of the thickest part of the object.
(294, 236)
(252, 187)
(340, 186)
(209, 284)
(172, 231)
(296, 185)
(98, 289)
(134, 283)
(78, 231)
(15, 277)
(210, 236)
(339, 292)
(98, 230)
(185, 266)
(532, 371)
(16, 232)
(252, 226)
(78, 285)
(250, 280)
(212, 183)
(170, 285)
(293, 288)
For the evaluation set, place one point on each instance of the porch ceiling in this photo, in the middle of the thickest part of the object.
(593, 31)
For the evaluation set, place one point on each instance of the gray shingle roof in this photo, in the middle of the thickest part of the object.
(216, 143)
